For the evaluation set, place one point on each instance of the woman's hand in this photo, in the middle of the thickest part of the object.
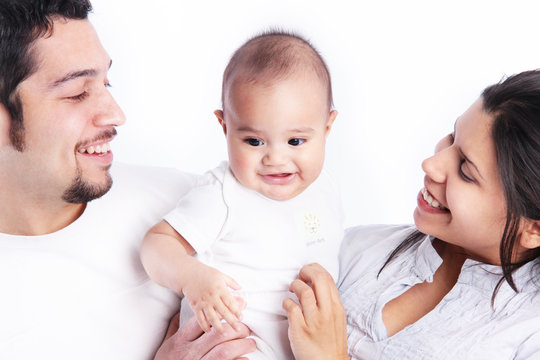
(317, 327)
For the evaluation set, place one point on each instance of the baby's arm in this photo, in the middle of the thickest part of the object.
(168, 259)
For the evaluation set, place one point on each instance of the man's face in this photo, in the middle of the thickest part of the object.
(69, 116)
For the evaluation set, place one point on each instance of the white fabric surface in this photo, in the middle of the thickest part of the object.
(261, 243)
(81, 292)
(462, 326)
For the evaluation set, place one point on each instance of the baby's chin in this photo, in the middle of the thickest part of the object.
(277, 187)
(282, 194)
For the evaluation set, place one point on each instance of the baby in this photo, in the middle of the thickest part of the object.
(249, 225)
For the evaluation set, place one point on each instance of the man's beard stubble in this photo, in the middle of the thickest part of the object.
(81, 191)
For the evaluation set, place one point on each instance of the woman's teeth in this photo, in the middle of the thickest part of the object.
(98, 149)
(430, 200)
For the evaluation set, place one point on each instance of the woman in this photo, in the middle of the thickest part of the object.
(467, 289)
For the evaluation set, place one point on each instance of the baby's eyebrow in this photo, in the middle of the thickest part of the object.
(303, 129)
(247, 129)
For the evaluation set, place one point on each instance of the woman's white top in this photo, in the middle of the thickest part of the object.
(464, 325)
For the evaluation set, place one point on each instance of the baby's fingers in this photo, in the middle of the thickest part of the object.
(232, 283)
(201, 319)
(226, 313)
(232, 305)
(214, 319)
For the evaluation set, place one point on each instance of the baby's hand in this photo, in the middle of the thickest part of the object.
(211, 300)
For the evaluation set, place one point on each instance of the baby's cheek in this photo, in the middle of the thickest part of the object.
(313, 161)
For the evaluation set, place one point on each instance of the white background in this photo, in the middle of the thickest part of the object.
(402, 72)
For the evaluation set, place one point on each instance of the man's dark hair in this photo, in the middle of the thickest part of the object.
(21, 23)
(272, 56)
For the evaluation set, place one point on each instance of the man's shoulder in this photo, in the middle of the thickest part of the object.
(149, 183)
(142, 175)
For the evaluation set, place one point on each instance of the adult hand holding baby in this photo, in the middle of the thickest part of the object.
(190, 342)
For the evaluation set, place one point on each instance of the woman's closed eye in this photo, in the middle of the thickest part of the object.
(462, 173)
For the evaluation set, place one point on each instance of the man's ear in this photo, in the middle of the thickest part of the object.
(530, 237)
(5, 124)
(221, 119)
(331, 118)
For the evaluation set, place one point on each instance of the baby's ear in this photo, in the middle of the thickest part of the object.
(530, 238)
(221, 119)
(331, 118)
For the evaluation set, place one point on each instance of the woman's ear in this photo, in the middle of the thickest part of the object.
(530, 237)
(221, 119)
(5, 124)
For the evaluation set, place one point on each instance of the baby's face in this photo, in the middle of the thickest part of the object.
(276, 134)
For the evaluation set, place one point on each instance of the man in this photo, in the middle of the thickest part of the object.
(73, 287)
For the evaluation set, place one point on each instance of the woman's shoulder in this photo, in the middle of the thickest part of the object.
(367, 246)
(377, 231)
(360, 238)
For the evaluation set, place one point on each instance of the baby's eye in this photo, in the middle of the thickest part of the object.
(296, 141)
(254, 142)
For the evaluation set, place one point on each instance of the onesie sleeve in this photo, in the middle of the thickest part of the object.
(200, 215)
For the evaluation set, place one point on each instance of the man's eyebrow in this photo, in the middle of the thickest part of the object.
(72, 76)
(75, 75)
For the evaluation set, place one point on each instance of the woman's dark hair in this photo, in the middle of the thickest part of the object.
(21, 23)
(514, 104)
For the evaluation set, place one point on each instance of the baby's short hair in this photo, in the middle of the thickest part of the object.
(273, 56)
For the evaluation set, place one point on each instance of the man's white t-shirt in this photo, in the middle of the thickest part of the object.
(261, 243)
(81, 292)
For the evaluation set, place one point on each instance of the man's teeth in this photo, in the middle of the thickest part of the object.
(430, 200)
(98, 149)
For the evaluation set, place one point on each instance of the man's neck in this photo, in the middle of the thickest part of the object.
(32, 219)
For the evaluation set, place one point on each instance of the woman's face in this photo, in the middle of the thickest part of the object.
(462, 202)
